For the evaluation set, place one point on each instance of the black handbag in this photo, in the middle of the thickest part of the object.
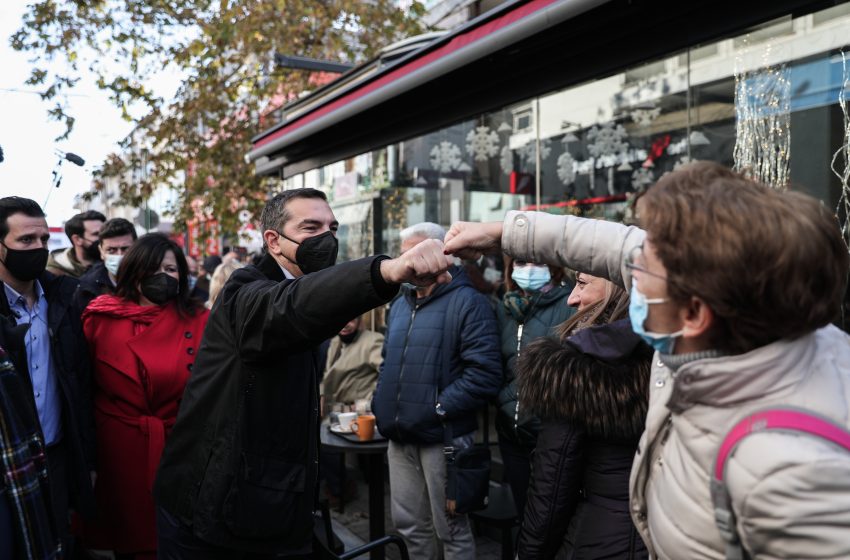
(467, 473)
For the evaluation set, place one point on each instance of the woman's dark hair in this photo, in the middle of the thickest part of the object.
(143, 260)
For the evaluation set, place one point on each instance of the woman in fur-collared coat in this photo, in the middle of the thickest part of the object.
(590, 391)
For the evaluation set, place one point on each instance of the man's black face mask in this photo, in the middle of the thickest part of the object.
(25, 265)
(316, 253)
(92, 252)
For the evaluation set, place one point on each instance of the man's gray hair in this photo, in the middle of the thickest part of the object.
(428, 230)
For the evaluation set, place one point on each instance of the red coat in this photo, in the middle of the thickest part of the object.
(141, 359)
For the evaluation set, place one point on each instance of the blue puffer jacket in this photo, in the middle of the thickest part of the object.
(444, 348)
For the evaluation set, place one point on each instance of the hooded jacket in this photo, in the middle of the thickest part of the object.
(591, 394)
(790, 491)
(64, 262)
(241, 466)
(548, 310)
(440, 349)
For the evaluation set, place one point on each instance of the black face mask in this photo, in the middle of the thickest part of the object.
(92, 252)
(316, 253)
(25, 265)
(160, 288)
(349, 338)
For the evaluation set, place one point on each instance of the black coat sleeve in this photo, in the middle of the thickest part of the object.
(281, 316)
(556, 475)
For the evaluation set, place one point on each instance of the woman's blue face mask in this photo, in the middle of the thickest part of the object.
(638, 312)
(531, 278)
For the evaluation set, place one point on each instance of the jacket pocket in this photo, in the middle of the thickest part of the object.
(267, 498)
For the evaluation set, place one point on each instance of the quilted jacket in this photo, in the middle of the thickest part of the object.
(443, 348)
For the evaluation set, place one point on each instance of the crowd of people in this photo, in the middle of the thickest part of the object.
(152, 405)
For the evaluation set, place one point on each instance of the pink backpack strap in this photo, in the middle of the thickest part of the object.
(781, 419)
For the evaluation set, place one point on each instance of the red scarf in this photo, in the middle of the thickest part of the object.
(114, 306)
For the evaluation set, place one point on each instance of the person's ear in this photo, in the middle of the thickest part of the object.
(697, 318)
(273, 239)
(76, 240)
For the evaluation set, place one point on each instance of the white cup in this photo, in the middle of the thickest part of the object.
(345, 420)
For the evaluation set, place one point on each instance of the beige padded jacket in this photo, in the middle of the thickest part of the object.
(790, 491)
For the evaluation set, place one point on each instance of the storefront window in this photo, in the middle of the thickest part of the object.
(584, 150)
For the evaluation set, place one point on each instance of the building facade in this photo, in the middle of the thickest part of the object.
(569, 106)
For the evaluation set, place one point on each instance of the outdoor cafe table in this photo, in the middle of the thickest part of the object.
(375, 452)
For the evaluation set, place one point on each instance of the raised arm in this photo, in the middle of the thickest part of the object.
(593, 246)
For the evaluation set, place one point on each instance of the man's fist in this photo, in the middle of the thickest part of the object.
(423, 265)
(470, 240)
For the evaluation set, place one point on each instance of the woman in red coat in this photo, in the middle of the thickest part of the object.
(143, 342)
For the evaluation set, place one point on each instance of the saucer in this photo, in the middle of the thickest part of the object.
(337, 429)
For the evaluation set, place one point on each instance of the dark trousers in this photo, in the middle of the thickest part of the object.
(7, 528)
(331, 469)
(176, 541)
(517, 462)
(57, 473)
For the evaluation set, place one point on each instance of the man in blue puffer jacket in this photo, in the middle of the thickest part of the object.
(441, 365)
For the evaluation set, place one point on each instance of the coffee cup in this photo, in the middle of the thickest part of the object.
(345, 420)
(364, 427)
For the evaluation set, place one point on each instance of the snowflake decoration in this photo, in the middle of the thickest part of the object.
(607, 140)
(644, 117)
(566, 168)
(677, 148)
(506, 161)
(642, 178)
(529, 151)
(482, 143)
(445, 157)
(684, 160)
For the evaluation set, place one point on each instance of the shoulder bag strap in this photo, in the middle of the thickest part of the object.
(778, 419)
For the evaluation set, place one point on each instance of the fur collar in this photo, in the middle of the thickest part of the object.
(608, 398)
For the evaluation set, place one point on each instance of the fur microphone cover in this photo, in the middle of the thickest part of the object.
(597, 379)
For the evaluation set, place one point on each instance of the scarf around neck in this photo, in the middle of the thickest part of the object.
(120, 308)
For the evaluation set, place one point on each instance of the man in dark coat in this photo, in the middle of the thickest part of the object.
(239, 471)
(116, 237)
(441, 365)
(55, 357)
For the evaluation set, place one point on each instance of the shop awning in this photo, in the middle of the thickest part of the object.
(520, 50)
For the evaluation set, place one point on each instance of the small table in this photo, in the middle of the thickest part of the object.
(375, 451)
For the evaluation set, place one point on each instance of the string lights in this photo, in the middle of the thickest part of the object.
(763, 122)
(843, 209)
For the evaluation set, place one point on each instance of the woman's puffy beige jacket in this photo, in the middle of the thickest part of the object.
(790, 491)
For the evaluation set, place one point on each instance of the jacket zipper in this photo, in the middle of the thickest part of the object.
(516, 407)
(401, 373)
